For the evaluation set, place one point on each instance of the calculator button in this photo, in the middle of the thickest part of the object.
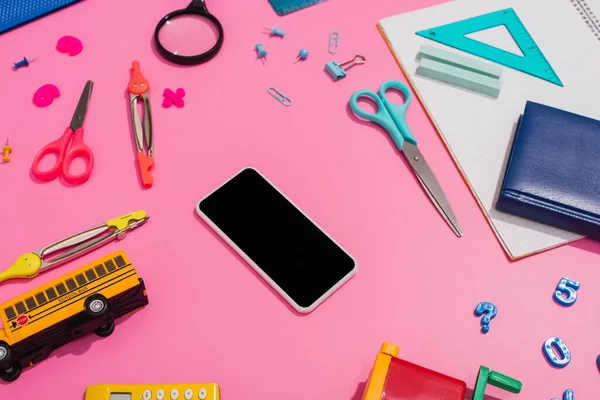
(147, 394)
(174, 394)
(160, 395)
(189, 393)
(202, 394)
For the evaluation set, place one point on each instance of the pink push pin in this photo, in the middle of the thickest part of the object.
(45, 95)
(69, 44)
(173, 98)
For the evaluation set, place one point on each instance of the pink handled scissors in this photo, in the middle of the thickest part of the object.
(65, 154)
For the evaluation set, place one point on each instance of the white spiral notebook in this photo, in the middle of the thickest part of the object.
(477, 129)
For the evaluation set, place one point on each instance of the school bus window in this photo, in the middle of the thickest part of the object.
(110, 266)
(20, 308)
(30, 303)
(51, 294)
(41, 298)
(80, 280)
(100, 270)
(71, 284)
(61, 289)
(90, 275)
(10, 313)
(120, 262)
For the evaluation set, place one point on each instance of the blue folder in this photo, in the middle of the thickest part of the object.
(14, 13)
(553, 173)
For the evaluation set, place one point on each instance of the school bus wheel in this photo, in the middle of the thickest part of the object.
(10, 372)
(106, 330)
(96, 305)
(5, 352)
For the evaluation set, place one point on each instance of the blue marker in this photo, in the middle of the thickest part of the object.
(598, 362)
(301, 55)
(274, 31)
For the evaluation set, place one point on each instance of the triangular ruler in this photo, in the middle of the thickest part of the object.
(533, 63)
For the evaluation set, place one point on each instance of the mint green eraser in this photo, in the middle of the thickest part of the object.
(460, 61)
(459, 77)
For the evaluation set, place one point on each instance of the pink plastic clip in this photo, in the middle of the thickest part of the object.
(45, 95)
(69, 44)
(173, 98)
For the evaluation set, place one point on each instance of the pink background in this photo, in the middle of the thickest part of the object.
(210, 318)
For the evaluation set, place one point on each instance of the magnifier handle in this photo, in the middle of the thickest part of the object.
(201, 4)
(137, 84)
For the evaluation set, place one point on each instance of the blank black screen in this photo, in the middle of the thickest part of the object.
(274, 234)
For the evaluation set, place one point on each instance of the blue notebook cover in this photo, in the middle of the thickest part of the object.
(553, 173)
(14, 13)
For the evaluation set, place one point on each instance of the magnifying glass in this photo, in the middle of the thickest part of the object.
(190, 36)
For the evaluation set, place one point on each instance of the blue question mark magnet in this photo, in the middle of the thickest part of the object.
(490, 312)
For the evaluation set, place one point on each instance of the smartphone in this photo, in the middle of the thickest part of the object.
(285, 247)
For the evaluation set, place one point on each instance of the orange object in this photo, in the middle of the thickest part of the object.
(6, 150)
(138, 88)
(394, 379)
(145, 165)
(137, 84)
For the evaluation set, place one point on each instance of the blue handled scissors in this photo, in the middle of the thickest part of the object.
(392, 117)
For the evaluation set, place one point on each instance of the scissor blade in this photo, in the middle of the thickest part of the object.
(430, 185)
(82, 106)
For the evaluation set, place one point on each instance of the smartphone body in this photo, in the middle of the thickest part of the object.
(283, 245)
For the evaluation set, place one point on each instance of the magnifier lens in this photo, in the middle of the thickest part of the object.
(188, 35)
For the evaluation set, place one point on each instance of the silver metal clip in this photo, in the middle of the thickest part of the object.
(358, 59)
(280, 97)
(337, 70)
(334, 40)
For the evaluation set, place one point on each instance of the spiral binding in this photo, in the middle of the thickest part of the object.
(588, 16)
(284, 7)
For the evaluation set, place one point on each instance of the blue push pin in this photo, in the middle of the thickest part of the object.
(274, 31)
(261, 52)
(301, 55)
(23, 63)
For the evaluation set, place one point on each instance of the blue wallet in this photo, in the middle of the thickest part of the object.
(553, 173)
(14, 13)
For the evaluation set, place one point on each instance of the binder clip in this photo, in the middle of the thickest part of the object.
(338, 70)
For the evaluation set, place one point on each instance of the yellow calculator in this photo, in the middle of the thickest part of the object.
(195, 391)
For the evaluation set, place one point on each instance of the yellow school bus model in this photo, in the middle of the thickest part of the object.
(86, 300)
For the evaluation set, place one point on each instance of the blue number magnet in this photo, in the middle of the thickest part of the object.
(567, 395)
(564, 357)
(566, 287)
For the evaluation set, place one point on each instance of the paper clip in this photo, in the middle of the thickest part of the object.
(338, 70)
(280, 97)
(334, 40)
